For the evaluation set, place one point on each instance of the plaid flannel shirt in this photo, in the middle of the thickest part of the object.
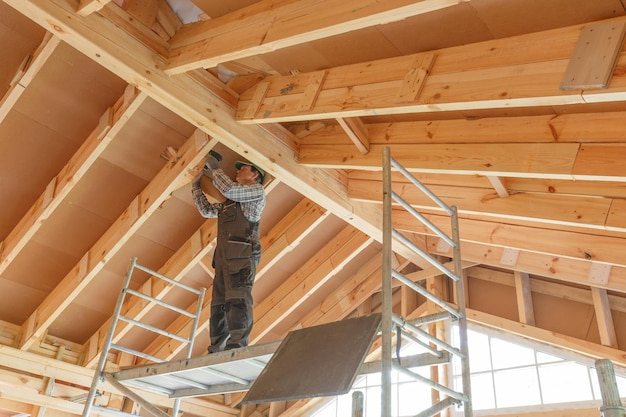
(251, 197)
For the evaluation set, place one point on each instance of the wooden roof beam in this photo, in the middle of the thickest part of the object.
(554, 208)
(111, 122)
(578, 293)
(542, 264)
(498, 185)
(561, 243)
(269, 25)
(133, 58)
(525, 309)
(604, 317)
(494, 79)
(571, 344)
(589, 161)
(357, 132)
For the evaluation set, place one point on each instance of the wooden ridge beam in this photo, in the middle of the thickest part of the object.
(531, 79)
(270, 25)
(111, 122)
(94, 260)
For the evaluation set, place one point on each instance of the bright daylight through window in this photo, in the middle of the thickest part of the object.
(503, 375)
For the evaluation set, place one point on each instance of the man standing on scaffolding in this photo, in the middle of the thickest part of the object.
(238, 250)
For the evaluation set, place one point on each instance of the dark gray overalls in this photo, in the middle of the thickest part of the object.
(236, 258)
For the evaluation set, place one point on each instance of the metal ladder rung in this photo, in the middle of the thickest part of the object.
(443, 310)
(108, 342)
(136, 353)
(431, 318)
(439, 343)
(169, 280)
(160, 302)
(431, 350)
(423, 291)
(155, 329)
(435, 385)
(406, 242)
(423, 219)
(438, 408)
(421, 186)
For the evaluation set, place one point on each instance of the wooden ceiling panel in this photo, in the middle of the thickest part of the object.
(71, 230)
(358, 46)
(569, 317)
(514, 17)
(70, 94)
(218, 8)
(141, 142)
(296, 59)
(76, 322)
(106, 190)
(40, 267)
(31, 156)
(23, 35)
(438, 29)
(159, 227)
(18, 300)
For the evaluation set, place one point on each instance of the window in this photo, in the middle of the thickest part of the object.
(503, 375)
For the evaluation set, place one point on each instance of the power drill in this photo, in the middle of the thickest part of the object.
(214, 154)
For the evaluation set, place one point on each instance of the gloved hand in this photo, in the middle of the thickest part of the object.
(212, 160)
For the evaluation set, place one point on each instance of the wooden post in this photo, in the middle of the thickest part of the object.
(611, 402)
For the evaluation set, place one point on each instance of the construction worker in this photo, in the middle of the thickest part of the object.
(238, 250)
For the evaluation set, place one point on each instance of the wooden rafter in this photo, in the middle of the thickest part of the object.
(268, 26)
(111, 122)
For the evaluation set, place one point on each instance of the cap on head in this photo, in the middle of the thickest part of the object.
(238, 165)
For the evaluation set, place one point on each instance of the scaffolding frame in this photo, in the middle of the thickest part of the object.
(100, 375)
(391, 323)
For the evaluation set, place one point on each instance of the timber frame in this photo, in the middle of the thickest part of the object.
(108, 108)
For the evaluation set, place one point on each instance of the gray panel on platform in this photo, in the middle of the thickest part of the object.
(316, 362)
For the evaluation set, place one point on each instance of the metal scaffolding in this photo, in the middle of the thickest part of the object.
(100, 375)
(394, 324)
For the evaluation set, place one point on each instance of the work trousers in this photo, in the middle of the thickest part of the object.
(232, 304)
